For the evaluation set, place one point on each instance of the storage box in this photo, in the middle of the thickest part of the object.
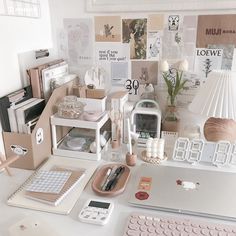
(94, 104)
(95, 93)
(34, 148)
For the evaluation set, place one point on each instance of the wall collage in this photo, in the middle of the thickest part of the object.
(129, 51)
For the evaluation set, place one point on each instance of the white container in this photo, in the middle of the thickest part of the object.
(95, 125)
(92, 104)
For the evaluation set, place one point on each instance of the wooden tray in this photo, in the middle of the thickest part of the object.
(120, 186)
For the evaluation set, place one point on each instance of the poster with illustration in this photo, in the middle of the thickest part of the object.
(207, 60)
(134, 32)
(145, 72)
(79, 41)
(154, 45)
(107, 28)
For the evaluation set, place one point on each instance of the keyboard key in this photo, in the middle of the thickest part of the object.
(132, 233)
(134, 226)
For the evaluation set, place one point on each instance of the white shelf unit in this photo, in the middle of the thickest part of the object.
(95, 125)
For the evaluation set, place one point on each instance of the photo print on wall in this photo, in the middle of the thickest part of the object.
(107, 28)
(134, 32)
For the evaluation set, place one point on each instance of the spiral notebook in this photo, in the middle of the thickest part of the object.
(19, 198)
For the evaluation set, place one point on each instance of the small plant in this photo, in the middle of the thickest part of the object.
(174, 86)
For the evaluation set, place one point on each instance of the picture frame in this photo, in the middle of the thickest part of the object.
(160, 5)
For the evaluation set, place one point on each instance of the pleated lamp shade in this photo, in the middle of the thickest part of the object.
(217, 99)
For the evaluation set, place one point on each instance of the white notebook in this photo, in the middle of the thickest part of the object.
(19, 199)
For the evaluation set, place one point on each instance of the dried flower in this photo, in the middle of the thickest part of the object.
(164, 66)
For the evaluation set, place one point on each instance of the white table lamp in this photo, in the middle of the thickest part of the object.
(217, 99)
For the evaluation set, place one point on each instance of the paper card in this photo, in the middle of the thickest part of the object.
(155, 22)
(154, 45)
(227, 58)
(111, 52)
(190, 22)
(79, 41)
(134, 32)
(172, 45)
(119, 73)
(170, 138)
(207, 60)
(189, 35)
(216, 29)
(189, 49)
(144, 71)
(107, 28)
(174, 22)
(191, 87)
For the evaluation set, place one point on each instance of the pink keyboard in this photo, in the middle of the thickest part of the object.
(146, 225)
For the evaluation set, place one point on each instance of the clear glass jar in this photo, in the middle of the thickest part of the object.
(70, 107)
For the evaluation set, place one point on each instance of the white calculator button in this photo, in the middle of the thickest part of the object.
(103, 218)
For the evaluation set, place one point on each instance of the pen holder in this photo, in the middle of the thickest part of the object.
(131, 159)
(115, 144)
(119, 187)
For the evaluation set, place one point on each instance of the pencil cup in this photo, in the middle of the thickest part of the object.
(131, 159)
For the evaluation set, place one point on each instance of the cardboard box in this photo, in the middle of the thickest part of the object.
(36, 147)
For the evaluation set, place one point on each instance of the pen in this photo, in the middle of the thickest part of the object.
(108, 178)
(105, 177)
(115, 176)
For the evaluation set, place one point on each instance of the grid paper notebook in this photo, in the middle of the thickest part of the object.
(48, 181)
(55, 199)
(18, 198)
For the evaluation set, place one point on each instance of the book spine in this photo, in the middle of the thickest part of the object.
(35, 82)
(12, 119)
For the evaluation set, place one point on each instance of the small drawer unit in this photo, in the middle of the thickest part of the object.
(76, 144)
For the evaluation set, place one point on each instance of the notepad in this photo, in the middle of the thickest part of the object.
(56, 198)
(49, 181)
(18, 198)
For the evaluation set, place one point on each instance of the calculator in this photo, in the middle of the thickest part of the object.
(96, 212)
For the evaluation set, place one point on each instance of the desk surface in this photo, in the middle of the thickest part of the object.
(69, 224)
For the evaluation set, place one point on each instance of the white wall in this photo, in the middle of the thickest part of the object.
(19, 34)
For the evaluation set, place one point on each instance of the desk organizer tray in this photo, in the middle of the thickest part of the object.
(120, 185)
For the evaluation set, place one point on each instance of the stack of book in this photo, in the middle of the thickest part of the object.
(23, 116)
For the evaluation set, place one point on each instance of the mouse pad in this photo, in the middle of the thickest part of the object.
(31, 226)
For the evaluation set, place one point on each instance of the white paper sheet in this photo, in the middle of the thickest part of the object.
(111, 52)
(79, 40)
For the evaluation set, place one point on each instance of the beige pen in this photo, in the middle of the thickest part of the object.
(104, 181)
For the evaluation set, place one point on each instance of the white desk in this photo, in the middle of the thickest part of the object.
(69, 225)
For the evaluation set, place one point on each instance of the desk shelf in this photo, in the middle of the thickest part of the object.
(78, 123)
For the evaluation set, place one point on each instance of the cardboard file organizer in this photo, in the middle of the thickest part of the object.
(34, 148)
